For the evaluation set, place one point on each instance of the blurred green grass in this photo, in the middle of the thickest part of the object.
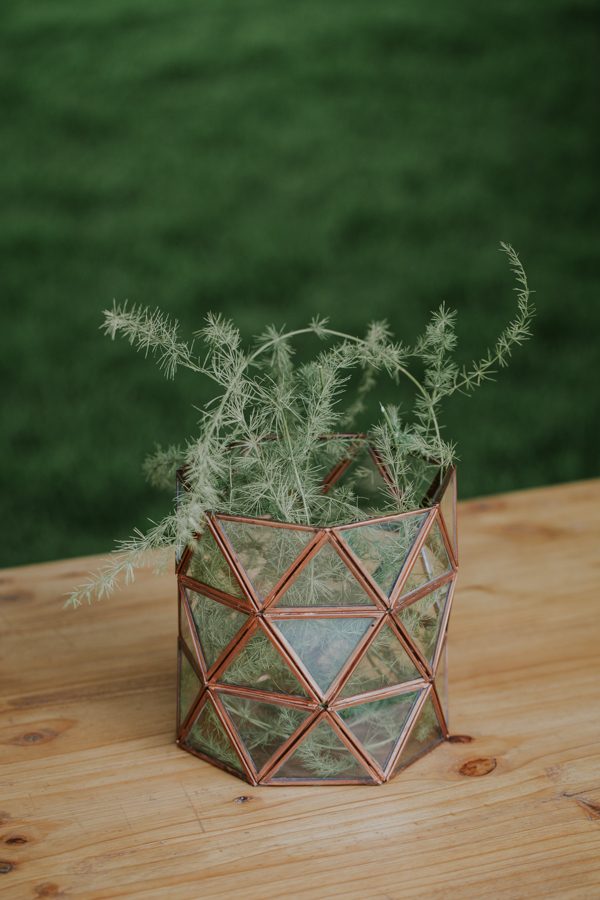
(276, 160)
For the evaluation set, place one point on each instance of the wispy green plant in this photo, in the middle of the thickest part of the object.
(258, 450)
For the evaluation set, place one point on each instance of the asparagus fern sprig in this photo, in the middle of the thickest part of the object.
(258, 450)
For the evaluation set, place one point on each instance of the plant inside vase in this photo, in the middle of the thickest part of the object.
(265, 446)
(235, 465)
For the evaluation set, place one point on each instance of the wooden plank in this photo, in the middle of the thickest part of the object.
(97, 802)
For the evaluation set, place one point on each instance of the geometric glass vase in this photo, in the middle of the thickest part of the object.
(315, 655)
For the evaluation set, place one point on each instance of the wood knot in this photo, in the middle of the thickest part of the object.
(6, 866)
(460, 738)
(48, 889)
(35, 737)
(242, 799)
(474, 768)
(591, 809)
(15, 596)
(15, 840)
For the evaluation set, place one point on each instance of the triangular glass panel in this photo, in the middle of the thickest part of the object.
(385, 663)
(383, 547)
(263, 727)
(441, 682)
(448, 511)
(322, 756)
(365, 480)
(260, 665)
(423, 619)
(333, 453)
(379, 724)
(324, 645)
(209, 566)
(432, 561)
(208, 736)
(325, 581)
(266, 552)
(420, 475)
(216, 624)
(189, 686)
(426, 733)
(185, 630)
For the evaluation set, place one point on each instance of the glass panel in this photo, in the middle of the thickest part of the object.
(365, 481)
(423, 618)
(379, 724)
(216, 624)
(448, 510)
(432, 561)
(259, 665)
(207, 735)
(420, 476)
(180, 492)
(332, 452)
(368, 485)
(321, 754)
(385, 663)
(209, 566)
(323, 645)
(441, 682)
(265, 552)
(425, 734)
(189, 686)
(384, 547)
(185, 630)
(325, 581)
(263, 727)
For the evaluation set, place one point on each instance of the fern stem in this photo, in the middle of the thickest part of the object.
(331, 333)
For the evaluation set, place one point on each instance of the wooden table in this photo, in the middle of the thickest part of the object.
(97, 801)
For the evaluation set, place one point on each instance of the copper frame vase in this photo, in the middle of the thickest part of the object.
(318, 655)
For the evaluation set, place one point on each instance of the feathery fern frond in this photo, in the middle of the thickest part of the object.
(259, 448)
(513, 335)
(150, 331)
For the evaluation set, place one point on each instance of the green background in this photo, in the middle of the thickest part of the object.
(273, 160)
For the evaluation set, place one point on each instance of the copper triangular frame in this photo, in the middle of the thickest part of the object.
(354, 449)
(311, 712)
(428, 694)
(397, 599)
(228, 648)
(430, 668)
(185, 615)
(339, 469)
(420, 688)
(442, 714)
(245, 598)
(292, 656)
(449, 482)
(362, 455)
(316, 547)
(228, 549)
(183, 652)
(259, 625)
(372, 775)
(339, 530)
(247, 772)
(439, 623)
(422, 673)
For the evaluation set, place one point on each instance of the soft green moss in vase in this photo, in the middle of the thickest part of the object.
(265, 443)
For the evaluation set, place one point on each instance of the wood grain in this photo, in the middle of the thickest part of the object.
(96, 801)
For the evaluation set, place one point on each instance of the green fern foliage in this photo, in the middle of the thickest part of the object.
(259, 448)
